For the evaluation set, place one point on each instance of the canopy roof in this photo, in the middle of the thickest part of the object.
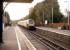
(25, 1)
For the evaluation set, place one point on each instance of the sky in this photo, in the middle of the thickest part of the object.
(20, 10)
(64, 6)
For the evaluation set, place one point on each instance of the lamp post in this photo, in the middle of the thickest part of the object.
(52, 15)
(43, 17)
(52, 11)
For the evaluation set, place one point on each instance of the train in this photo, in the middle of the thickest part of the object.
(29, 24)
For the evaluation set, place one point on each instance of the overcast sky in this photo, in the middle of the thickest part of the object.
(64, 6)
(20, 10)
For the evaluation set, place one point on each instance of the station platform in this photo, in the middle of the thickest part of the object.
(65, 32)
(11, 41)
(14, 38)
(56, 36)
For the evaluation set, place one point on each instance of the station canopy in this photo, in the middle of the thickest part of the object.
(25, 1)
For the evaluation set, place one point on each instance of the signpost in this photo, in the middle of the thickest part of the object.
(46, 22)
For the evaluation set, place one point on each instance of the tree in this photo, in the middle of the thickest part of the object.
(6, 18)
(45, 9)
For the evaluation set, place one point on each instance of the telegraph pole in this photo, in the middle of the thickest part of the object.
(68, 17)
(68, 13)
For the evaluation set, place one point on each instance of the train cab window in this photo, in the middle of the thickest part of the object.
(31, 21)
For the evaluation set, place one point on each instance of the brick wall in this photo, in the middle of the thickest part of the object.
(56, 25)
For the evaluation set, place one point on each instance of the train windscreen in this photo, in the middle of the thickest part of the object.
(31, 21)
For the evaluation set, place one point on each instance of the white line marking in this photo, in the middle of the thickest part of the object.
(19, 46)
(28, 43)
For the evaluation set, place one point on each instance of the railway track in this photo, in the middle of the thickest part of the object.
(45, 42)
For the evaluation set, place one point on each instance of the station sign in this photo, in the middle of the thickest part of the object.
(46, 22)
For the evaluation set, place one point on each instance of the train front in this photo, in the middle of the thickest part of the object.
(31, 24)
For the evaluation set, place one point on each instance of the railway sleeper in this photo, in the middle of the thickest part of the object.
(61, 46)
